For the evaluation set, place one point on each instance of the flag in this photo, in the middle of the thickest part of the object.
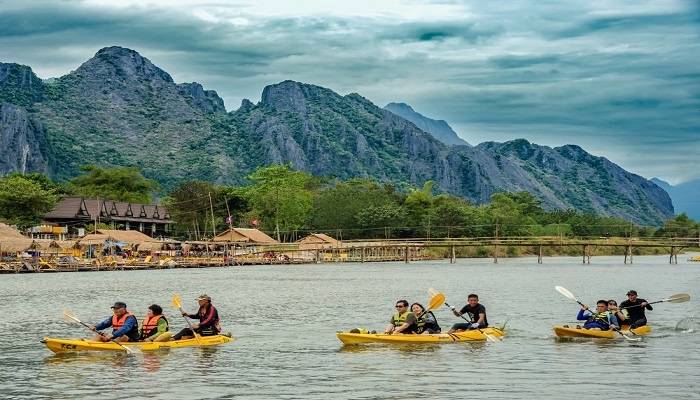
(229, 219)
(254, 222)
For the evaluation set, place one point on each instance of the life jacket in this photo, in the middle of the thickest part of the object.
(602, 319)
(203, 311)
(117, 323)
(150, 325)
(423, 322)
(398, 319)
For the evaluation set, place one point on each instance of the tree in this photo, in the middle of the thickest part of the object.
(418, 206)
(188, 205)
(23, 202)
(280, 197)
(342, 206)
(119, 184)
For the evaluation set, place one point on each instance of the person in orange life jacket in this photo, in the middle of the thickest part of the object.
(155, 325)
(208, 320)
(125, 327)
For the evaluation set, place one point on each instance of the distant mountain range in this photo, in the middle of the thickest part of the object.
(685, 196)
(438, 128)
(119, 109)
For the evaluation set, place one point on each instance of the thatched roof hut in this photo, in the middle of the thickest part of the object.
(103, 235)
(245, 235)
(317, 241)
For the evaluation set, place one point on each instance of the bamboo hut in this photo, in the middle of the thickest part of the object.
(245, 235)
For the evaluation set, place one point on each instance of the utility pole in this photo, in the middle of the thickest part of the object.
(213, 224)
(97, 213)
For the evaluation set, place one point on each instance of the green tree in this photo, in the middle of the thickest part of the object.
(341, 206)
(680, 226)
(418, 207)
(120, 184)
(280, 197)
(23, 202)
(189, 206)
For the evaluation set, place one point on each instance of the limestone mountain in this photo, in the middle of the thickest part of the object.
(440, 129)
(118, 108)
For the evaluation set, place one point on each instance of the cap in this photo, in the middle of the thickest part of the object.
(119, 304)
(204, 297)
(634, 292)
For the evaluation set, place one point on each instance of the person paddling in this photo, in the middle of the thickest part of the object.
(634, 308)
(600, 320)
(475, 312)
(125, 327)
(155, 325)
(403, 321)
(208, 316)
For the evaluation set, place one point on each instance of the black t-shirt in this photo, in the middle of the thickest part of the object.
(637, 312)
(472, 313)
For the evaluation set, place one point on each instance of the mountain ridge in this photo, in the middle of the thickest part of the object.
(440, 129)
(118, 108)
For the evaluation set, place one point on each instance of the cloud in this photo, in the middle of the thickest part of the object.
(619, 78)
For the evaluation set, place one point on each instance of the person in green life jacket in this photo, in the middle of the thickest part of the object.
(403, 321)
(155, 325)
(426, 322)
(125, 327)
(615, 310)
(600, 320)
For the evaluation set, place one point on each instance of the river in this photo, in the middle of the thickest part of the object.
(284, 319)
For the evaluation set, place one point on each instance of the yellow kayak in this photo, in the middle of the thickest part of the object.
(71, 345)
(566, 331)
(466, 336)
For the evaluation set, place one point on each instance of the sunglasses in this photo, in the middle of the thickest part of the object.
(400, 306)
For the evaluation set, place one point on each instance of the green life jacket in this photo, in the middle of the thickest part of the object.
(399, 319)
(601, 318)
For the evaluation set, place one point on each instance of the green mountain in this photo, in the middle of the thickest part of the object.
(120, 109)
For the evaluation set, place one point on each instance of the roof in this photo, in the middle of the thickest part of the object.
(8, 232)
(248, 235)
(318, 238)
(14, 245)
(79, 208)
(129, 237)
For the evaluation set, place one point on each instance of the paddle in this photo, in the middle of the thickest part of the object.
(178, 304)
(564, 291)
(676, 298)
(489, 337)
(73, 318)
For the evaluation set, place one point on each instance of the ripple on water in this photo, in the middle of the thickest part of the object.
(285, 319)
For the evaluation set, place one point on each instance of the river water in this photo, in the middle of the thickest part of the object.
(285, 319)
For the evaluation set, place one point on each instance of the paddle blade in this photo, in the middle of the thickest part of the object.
(177, 303)
(436, 301)
(678, 298)
(432, 292)
(564, 291)
(70, 317)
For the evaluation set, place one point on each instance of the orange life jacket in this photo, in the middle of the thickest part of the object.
(117, 323)
(150, 325)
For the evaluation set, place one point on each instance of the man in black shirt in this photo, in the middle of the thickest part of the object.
(634, 308)
(474, 312)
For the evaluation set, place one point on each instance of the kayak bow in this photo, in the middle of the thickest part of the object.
(566, 331)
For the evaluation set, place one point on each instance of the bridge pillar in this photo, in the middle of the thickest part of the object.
(628, 254)
(539, 255)
(495, 254)
(673, 259)
(586, 254)
(406, 254)
(318, 256)
(452, 255)
(362, 254)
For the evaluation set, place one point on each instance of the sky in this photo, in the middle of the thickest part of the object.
(619, 78)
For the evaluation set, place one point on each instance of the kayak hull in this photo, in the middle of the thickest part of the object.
(78, 345)
(563, 331)
(466, 336)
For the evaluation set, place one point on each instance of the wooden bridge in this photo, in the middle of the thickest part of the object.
(413, 249)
